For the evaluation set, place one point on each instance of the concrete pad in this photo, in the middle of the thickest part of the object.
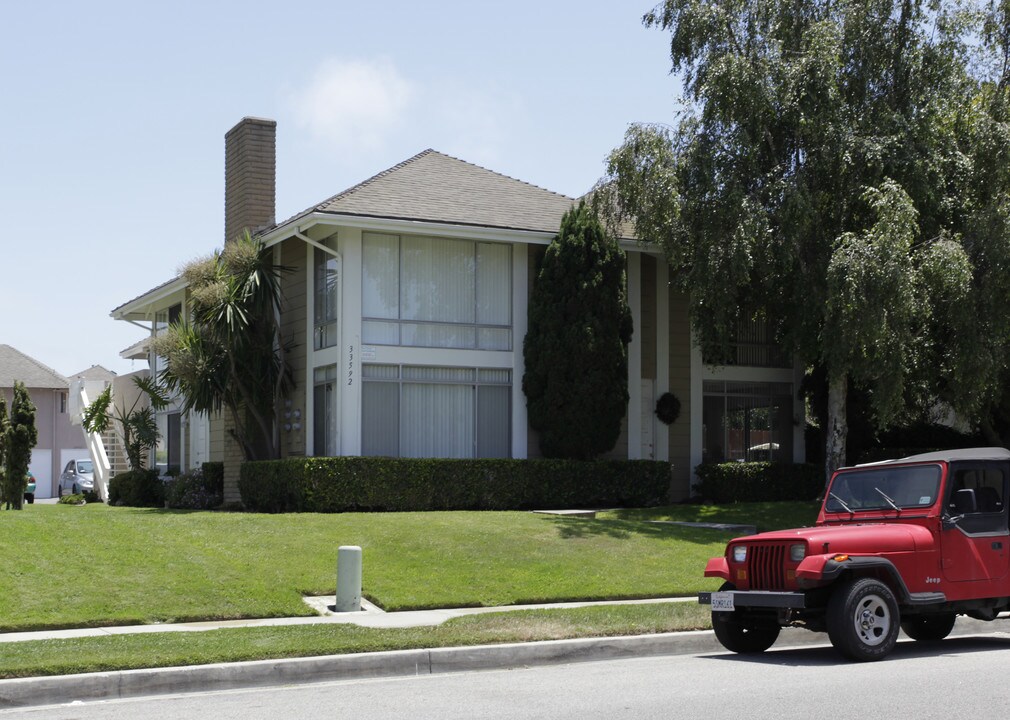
(726, 527)
(588, 514)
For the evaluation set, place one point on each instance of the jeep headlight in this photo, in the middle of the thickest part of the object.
(797, 552)
(739, 553)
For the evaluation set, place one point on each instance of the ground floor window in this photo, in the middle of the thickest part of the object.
(747, 421)
(419, 411)
(168, 452)
(324, 404)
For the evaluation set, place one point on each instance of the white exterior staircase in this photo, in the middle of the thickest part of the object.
(82, 392)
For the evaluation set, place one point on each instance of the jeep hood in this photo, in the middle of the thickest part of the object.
(872, 538)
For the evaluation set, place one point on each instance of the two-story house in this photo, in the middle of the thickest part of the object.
(408, 307)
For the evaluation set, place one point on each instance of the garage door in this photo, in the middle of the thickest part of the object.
(42, 468)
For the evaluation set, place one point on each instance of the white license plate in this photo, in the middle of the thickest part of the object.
(722, 602)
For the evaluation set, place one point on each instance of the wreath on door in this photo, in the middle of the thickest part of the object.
(668, 408)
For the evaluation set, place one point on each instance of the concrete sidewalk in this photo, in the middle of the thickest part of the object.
(370, 616)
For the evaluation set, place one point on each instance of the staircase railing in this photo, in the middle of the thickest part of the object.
(96, 446)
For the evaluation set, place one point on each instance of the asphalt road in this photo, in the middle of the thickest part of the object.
(962, 677)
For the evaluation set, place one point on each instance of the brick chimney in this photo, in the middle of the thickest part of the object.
(250, 176)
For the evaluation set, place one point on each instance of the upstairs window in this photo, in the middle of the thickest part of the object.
(436, 292)
(754, 345)
(327, 299)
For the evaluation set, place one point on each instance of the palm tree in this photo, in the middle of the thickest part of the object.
(230, 354)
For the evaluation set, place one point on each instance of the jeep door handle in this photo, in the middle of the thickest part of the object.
(997, 546)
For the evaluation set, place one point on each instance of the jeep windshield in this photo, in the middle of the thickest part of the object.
(883, 488)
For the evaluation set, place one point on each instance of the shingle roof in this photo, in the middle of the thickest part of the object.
(434, 187)
(15, 365)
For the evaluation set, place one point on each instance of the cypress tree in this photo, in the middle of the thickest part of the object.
(22, 438)
(4, 440)
(576, 346)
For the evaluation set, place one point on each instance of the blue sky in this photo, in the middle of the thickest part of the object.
(113, 114)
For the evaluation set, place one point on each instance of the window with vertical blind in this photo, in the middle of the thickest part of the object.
(436, 292)
(448, 412)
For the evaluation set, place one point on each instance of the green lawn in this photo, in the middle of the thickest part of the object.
(96, 565)
(766, 516)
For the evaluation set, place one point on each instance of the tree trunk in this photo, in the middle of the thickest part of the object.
(838, 429)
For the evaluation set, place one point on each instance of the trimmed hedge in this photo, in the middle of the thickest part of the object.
(213, 476)
(340, 484)
(137, 488)
(758, 482)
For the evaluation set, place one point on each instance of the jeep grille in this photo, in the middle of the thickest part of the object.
(766, 566)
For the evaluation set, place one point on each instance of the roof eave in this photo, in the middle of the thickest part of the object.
(142, 307)
(443, 229)
(379, 223)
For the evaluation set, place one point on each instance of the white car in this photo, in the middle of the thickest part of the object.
(77, 476)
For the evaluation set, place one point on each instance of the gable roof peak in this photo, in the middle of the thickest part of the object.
(433, 187)
(15, 365)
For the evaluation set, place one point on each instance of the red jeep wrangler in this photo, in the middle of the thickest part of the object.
(910, 543)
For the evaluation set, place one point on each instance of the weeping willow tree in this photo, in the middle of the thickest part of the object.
(842, 169)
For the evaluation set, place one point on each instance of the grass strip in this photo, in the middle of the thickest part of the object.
(151, 650)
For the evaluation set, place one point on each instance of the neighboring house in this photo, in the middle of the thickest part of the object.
(408, 308)
(59, 441)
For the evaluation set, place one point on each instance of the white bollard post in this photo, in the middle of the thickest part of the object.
(348, 579)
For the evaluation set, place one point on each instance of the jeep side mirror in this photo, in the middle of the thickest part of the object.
(964, 501)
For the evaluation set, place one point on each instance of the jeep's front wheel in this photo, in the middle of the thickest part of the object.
(863, 619)
(929, 628)
(738, 634)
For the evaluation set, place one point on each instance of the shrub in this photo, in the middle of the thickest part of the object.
(758, 482)
(342, 484)
(90, 496)
(193, 491)
(77, 499)
(137, 488)
(213, 475)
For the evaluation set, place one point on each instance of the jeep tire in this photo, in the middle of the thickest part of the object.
(740, 635)
(929, 628)
(863, 619)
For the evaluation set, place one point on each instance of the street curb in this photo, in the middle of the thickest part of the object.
(28, 692)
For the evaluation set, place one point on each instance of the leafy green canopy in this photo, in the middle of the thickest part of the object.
(576, 379)
(840, 167)
(230, 355)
